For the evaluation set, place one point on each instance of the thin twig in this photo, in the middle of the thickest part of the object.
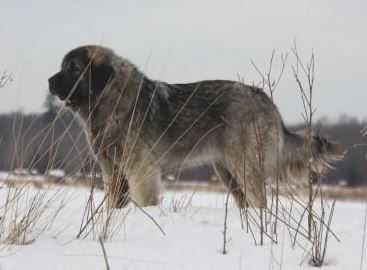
(91, 217)
(104, 254)
(224, 250)
(150, 217)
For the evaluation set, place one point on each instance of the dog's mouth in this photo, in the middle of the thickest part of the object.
(67, 99)
(70, 102)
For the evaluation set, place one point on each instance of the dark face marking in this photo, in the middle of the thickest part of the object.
(80, 80)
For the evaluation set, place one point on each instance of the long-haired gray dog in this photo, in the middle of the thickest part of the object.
(137, 126)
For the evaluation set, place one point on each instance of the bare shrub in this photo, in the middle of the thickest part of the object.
(27, 213)
(291, 210)
(304, 74)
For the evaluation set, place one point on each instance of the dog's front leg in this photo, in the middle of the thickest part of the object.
(116, 186)
(145, 186)
(117, 190)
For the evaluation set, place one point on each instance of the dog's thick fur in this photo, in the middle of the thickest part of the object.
(138, 126)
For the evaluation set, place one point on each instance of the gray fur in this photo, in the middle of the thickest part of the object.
(138, 126)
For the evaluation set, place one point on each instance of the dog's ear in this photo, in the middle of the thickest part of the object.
(101, 75)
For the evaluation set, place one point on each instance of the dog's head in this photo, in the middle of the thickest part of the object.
(85, 73)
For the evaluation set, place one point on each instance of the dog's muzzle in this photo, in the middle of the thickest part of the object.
(54, 87)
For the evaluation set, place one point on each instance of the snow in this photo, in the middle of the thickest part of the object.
(56, 173)
(21, 175)
(4, 174)
(193, 228)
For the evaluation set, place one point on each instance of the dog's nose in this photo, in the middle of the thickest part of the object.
(51, 85)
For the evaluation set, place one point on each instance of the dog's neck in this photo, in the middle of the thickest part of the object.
(118, 101)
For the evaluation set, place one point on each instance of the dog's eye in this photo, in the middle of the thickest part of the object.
(74, 68)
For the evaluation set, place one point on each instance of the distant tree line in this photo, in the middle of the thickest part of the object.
(42, 142)
(55, 140)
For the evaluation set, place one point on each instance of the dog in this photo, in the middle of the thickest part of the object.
(138, 127)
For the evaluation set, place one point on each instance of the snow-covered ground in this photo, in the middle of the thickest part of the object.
(192, 236)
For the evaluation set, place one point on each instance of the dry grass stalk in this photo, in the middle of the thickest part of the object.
(180, 203)
(104, 254)
(151, 218)
(5, 78)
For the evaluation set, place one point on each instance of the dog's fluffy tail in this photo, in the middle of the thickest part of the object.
(301, 154)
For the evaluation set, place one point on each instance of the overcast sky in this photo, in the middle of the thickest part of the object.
(183, 41)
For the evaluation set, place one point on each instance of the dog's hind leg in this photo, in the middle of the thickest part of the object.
(248, 193)
(231, 184)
